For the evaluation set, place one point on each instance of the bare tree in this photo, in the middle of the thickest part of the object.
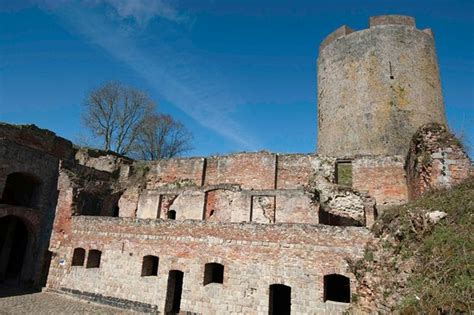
(113, 113)
(161, 137)
(125, 120)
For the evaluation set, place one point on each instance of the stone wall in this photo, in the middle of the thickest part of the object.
(254, 257)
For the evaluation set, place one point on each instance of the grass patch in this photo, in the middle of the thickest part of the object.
(442, 277)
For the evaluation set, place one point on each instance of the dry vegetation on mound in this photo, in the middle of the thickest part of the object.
(417, 265)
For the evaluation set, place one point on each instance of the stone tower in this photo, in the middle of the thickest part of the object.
(376, 87)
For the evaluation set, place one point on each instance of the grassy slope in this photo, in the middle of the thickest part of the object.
(419, 267)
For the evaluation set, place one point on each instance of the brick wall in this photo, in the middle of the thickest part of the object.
(250, 170)
(179, 171)
(381, 177)
(295, 170)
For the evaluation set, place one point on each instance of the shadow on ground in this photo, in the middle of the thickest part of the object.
(7, 289)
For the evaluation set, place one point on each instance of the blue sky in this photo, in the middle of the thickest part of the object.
(241, 75)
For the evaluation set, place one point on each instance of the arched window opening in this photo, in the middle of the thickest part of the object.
(150, 266)
(78, 257)
(172, 214)
(93, 260)
(337, 288)
(213, 273)
(280, 300)
(21, 189)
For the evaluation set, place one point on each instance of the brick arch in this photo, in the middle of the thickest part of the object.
(280, 280)
(218, 260)
(179, 266)
(342, 270)
(29, 217)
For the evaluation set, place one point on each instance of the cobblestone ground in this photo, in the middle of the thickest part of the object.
(15, 302)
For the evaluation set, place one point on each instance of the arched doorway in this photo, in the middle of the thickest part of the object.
(174, 291)
(280, 300)
(14, 238)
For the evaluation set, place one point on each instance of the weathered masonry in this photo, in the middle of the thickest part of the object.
(246, 233)
(29, 165)
(376, 87)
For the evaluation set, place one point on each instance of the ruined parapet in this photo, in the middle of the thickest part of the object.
(106, 161)
(376, 87)
(38, 139)
(436, 159)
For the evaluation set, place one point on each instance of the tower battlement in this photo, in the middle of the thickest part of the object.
(392, 20)
(374, 21)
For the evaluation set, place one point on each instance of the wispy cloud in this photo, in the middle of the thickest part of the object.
(177, 77)
(142, 11)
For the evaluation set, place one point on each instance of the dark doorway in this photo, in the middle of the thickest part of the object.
(21, 189)
(13, 242)
(337, 288)
(280, 300)
(174, 291)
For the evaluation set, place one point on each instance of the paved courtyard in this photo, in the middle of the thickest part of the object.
(14, 301)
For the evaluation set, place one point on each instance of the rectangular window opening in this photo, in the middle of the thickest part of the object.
(344, 173)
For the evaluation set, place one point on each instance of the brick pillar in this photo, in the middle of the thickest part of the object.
(370, 212)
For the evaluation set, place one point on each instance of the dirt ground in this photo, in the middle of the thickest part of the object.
(18, 301)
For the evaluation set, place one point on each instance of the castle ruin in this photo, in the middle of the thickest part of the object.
(246, 233)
